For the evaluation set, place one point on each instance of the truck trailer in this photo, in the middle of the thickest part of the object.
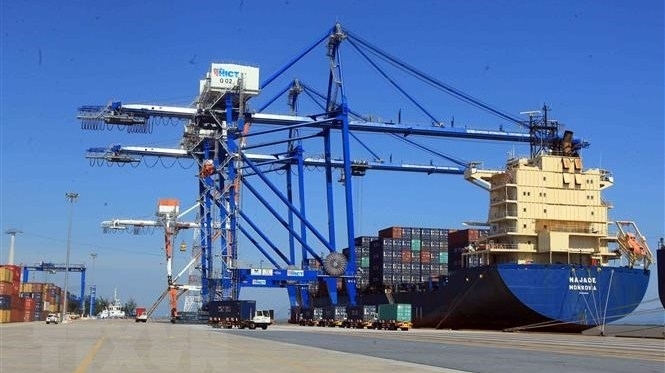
(237, 313)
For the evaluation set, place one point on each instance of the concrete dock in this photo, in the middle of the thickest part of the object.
(126, 346)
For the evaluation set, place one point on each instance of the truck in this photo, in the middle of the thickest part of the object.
(140, 314)
(333, 316)
(360, 317)
(239, 314)
(393, 317)
(311, 316)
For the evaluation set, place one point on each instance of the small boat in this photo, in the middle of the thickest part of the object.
(113, 310)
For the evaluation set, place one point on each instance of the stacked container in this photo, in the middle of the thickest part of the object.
(459, 241)
(362, 244)
(406, 256)
(46, 298)
(10, 303)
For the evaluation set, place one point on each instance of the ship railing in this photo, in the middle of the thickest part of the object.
(494, 246)
(571, 229)
(500, 247)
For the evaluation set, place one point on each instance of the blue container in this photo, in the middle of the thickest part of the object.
(5, 302)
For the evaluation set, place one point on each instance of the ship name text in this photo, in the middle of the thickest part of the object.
(582, 283)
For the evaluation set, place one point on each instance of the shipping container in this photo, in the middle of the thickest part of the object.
(5, 302)
(10, 273)
(239, 309)
(5, 316)
(9, 288)
(396, 312)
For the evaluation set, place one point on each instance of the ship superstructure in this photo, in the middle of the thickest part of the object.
(545, 210)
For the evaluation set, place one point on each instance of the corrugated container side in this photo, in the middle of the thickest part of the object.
(16, 315)
(5, 316)
(10, 273)
(397, 312)
(391, 232)
(328, 313)
(9, 288)
(307, 313)
(355, 312)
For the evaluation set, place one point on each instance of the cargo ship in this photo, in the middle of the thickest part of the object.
(660, 262)
(550, 259)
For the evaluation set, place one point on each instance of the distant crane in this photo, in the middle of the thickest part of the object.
(168, 213)
(53, 268)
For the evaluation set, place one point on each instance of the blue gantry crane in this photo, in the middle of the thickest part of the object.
(239, 147)
(54, 268)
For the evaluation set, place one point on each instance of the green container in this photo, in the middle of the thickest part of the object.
(397, 312)
(443, 257)
(415, 245)
(364, 262)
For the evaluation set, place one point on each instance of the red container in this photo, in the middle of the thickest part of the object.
(406, 256)
(391, 232)
(9, 288)
(29, 304)
(17, 315)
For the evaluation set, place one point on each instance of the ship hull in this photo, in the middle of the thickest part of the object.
(560, 298)
(660, 264)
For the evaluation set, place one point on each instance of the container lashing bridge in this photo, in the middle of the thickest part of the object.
(216, 136)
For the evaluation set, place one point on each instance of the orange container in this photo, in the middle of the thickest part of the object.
(9, 288)
(10, 273)
(391, 232)
(425, 256)
(5, 316)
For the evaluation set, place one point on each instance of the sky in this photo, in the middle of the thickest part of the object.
(598, 65)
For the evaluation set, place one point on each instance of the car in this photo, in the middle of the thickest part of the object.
(52, 318)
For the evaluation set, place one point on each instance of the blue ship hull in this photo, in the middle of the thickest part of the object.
(660, 263)
(560, 298)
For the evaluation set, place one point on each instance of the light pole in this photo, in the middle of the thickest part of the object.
(12, 239)
(93, 287)
(71, 198)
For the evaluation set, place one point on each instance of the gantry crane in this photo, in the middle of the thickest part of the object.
(168, 213)
(222, 120)
(55, 267)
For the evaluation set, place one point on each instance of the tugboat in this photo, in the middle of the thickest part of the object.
(113, 310)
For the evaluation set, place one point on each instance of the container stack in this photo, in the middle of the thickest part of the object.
(45, 297)
(362, 244)
(406, 256)
(11, 306)
(462, 240)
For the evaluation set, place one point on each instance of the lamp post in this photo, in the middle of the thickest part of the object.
(12, 239)
(93, 287)
(71, 198)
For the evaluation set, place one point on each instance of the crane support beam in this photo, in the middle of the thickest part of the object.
(401, 129)
(268, 277)
(315, 162)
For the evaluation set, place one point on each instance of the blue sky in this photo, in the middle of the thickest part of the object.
(599, 66)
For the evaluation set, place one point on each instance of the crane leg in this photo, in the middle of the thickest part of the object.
(173, 295)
